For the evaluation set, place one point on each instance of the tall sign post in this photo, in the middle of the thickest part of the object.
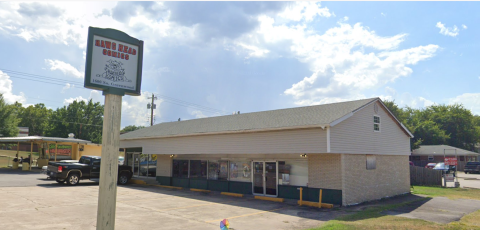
(114, 65)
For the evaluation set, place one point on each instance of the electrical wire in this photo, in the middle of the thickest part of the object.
(73, 84)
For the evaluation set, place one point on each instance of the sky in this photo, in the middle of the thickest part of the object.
(204, 59)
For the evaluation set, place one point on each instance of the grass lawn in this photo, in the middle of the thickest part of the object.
(452, 193)
(372, 217)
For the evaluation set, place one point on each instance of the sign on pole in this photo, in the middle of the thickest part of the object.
(113, 65)
(114, 62)
(451, 161)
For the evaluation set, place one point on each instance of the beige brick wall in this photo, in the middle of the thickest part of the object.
(324, 171)
(164, 165)
(391, 177)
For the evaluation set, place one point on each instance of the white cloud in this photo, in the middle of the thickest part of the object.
(464, 26)
(6, 88)
(471, 101)
(135, 112)
(197, 114)
(66, 68)
(448, 31)
(68, 101)
(305, 11)
(341, 68)
(66, 87)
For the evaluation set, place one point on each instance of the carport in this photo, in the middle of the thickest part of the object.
(45, 150)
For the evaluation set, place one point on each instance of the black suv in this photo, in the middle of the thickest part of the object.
(472, 167)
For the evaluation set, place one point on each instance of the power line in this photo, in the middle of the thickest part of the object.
(54, 81)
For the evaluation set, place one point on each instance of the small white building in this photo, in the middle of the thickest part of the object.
(354, 151)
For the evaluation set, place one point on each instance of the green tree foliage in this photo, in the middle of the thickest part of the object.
(36, 118)
(440, 124)
(85, 120)
(8, 120)
(130, 128)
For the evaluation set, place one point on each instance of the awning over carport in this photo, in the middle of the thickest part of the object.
(40, 140)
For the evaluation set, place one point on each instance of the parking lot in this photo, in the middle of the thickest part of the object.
(29, 201)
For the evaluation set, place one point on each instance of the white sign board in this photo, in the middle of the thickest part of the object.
(449, 178)
(114, 63)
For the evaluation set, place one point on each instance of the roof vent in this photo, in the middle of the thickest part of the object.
(71, 135)
(179, 119)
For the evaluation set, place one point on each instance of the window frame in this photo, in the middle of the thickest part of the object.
(377, 123)
(371, 162)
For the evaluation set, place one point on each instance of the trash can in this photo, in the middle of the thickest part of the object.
(25, 166)
(15, 165)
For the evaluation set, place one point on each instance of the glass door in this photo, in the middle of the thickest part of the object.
(271, 178)
(265, 178)
(258, 178)
(135, 163)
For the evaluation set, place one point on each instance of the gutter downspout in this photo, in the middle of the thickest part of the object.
(328, 139)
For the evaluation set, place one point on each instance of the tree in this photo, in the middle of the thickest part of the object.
(85, 120)
(8, 120)
(439, 124)
(130, 128)
(36, 118)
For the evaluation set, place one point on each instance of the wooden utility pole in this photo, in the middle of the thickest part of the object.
(152, 107)
(107, 196)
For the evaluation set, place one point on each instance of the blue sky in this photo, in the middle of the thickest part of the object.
(212, 58)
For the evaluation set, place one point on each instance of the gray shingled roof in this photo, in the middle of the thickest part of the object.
(437, 150)
(317, 115)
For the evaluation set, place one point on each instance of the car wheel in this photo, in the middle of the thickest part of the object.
(60, 181)
(73, 179)
(123, 179)
(466, 172)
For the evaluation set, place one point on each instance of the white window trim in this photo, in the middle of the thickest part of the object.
(379, 123)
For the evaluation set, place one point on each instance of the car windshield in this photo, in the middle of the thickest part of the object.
(439, 166)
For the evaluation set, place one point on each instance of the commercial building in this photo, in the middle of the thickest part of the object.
(436, 153)
(52, 148)
(354, 151)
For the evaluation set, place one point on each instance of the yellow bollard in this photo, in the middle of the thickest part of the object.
(301, 195)
(320, 199)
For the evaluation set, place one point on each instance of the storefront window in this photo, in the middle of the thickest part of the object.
(293, 172)
(180, 168)
(240, 171)
(217, 170)
(198, 169)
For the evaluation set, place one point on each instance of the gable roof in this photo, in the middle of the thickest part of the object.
(291, 118)
(437, 150)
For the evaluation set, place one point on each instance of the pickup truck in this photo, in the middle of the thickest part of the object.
(88, 167)
(472, 167)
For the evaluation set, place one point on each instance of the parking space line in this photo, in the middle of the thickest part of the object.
(136, 200)
(192, 206)
(251, 214)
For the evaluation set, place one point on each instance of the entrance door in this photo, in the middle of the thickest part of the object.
(135, 163)
(265, 178)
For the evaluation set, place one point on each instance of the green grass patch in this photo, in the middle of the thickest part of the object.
(451, 193)
(372, 217)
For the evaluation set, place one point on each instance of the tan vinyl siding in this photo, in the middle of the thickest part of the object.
(324, 171)
(356, 135)
(164, 165)
(391, 177)
(274, 142)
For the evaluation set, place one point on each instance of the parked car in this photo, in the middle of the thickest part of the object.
(472, 167)
(447, 170)
(430, 165)
(88, 167)
(121, 160)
